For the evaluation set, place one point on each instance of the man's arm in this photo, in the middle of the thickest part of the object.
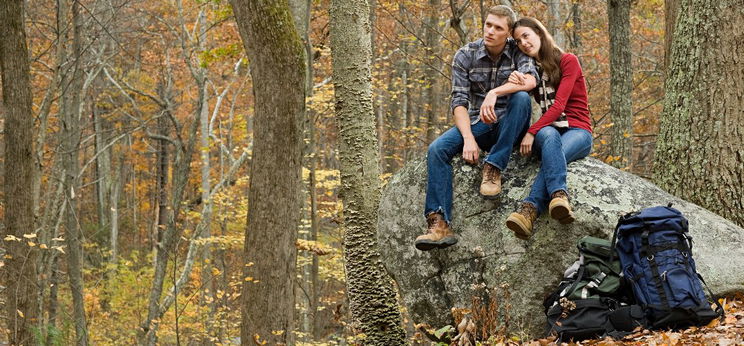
(470, 148)
(487, 112)
(460, 103)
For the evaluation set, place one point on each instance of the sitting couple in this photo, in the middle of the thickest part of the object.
(491, 78)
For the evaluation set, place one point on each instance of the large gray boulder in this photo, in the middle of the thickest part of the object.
(514, 275)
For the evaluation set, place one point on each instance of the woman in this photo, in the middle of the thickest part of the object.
(561, 135)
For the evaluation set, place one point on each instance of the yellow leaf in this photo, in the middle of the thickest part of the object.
(43, 246)
(11, 237)
(29, 236)
(626, 135)
(248, 278)
(20, 313)
(31, 244)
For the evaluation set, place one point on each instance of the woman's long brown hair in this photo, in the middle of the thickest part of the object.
(549, 55)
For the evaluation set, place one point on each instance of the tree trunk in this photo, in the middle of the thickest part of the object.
(19, 275)
(371, 293)
(277, 57)
(301, 11)
(72, 84)
(576, 28)
(699, 155)
(457, 21)
(621, 83)
(103, 165)
(671, 9)
(431, 75)
(555, 22)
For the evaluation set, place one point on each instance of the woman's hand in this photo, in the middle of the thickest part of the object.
(487, 114)
(526, 147)
(516, 77)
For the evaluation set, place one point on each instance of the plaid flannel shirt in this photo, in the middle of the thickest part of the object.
(474, 73)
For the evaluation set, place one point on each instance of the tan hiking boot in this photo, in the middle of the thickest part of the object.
(491, 184)
(560, 208)
(521, 222)
(438, 234)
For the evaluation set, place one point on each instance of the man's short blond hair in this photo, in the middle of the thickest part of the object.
(504, 11)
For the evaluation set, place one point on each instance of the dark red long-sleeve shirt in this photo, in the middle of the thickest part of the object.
(570, 98)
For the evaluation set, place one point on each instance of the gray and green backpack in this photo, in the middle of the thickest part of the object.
(593, 299)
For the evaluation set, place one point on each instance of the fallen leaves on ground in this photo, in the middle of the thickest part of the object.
(724, 332)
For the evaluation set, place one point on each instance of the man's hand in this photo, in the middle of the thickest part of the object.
(525, 148)
(517, 77)
(487, 114)
(470, 151)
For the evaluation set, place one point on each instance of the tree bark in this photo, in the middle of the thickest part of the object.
(277, 57)
(431, 97)
(371, 293)
(301, 11)
(457, 21)
(621, 83)
(576, 28)
(671, 9)
(19, 275)
(71, 98)
(555, 22)
(699, 155)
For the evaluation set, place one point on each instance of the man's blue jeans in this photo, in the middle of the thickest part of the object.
(556, 149)
(495, 139)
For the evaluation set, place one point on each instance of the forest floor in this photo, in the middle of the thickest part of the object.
(723, 332)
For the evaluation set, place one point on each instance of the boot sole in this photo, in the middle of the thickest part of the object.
(489, 194)
(560, 212)
(568, 219)
(426, 245)
(519, 228)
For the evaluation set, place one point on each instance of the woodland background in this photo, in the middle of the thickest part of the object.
(140, 149)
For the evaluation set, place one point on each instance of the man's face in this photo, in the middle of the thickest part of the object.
(495, 31)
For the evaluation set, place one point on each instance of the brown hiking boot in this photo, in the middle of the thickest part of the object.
(560, 208)
(521, 221)
(438, 234)
(491, 184)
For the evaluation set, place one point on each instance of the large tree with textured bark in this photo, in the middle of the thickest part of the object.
(699, 151)
(277, 62)
(371, 293)
(621, 82)
(19, 274)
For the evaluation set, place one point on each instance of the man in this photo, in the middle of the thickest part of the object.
(490, 113)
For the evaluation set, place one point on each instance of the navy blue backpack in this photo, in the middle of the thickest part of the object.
(655, 252)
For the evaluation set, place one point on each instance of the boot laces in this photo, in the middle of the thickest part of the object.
(527, 210)
(491, 173)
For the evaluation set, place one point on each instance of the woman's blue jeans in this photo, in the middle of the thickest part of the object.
(496, 139)
(556, 149)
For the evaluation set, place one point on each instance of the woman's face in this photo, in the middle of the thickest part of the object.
(527, 40)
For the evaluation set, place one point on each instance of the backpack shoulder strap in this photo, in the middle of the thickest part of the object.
(719, 308)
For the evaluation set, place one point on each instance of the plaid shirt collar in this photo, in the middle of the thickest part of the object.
(507, 52)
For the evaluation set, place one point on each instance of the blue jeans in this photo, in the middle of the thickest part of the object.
(556, 149)
(496, 139)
